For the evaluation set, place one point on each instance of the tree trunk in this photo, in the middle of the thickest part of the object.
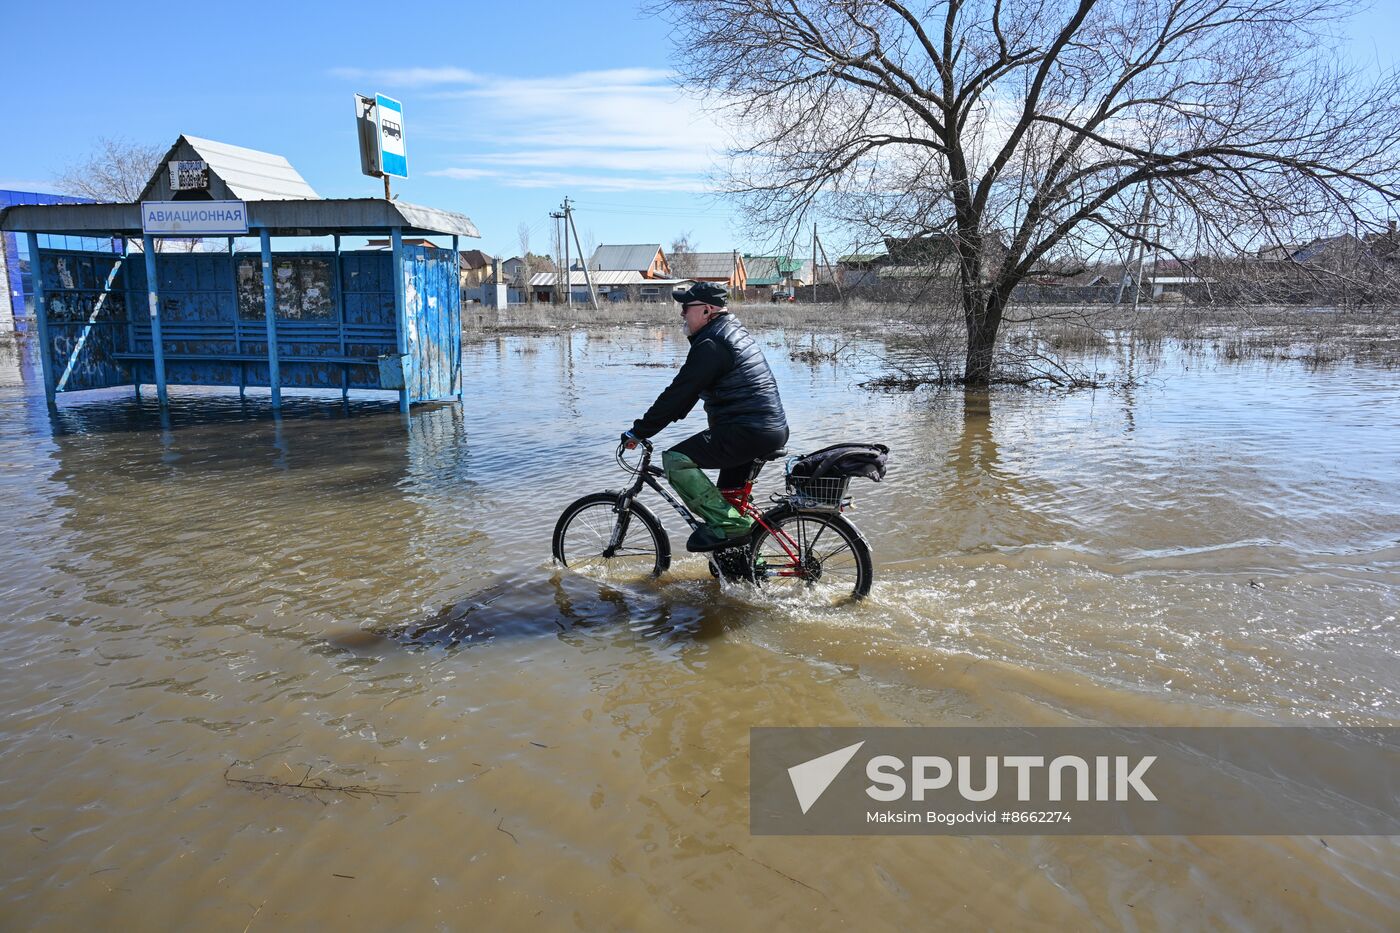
(983, 317)
(981, 305)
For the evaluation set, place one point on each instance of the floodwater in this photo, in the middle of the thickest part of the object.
(222, 597)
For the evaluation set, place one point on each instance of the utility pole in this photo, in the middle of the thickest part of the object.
(587, 277)
(827, 260)
(568, 266)
(1142, 254)
(558, 253)
(1133, 250)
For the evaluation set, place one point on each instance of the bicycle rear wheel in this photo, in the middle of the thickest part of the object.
(585, 529)
(816, 555)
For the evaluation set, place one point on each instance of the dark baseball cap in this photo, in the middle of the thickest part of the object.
(708, 293)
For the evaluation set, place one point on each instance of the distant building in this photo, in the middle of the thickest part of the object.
(16, 280)
(856, 269)
(646, 258)
(609, 285)
(476, 267)
(773, 274)
(727, 269)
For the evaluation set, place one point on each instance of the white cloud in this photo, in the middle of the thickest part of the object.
(617, 129)
(580, 182)
(596, 154)
(464, 174)
(407, 77)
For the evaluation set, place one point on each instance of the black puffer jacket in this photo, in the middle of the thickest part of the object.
(726, 368)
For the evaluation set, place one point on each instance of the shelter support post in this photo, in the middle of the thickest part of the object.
(338, 292)
(148, 246)
(41, 319)
(400, 308)
(274, 377)
(461, 309)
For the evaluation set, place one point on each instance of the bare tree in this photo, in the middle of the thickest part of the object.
(527, 271)
(114, 172)
(681, 257)
(1016, 133)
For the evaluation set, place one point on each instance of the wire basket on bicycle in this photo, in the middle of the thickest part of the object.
(820, 480)
(827, 492)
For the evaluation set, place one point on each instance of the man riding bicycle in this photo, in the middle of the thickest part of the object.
(725, 368)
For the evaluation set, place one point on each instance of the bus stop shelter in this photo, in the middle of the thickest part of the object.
(165, 313)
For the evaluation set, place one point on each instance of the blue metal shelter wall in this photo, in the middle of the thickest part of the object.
(17, 291)
(433, 301)
(331, 328)
(74, 285)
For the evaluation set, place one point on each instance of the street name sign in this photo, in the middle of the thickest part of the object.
(194, 218)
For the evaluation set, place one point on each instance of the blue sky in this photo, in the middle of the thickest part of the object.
(508, 107)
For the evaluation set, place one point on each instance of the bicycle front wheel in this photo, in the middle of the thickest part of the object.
(585, 530)
(813, 555)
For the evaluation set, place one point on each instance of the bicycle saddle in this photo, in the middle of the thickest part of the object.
(775, 455)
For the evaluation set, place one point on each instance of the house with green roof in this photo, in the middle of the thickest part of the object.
(772, 273)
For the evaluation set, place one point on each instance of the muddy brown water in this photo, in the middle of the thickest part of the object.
(223, 595)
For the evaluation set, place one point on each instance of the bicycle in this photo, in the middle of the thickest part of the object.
(618, 534)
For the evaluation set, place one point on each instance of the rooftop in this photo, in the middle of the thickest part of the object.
(249, 174)
(636, 256)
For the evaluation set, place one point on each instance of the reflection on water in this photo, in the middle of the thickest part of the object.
(370, 596)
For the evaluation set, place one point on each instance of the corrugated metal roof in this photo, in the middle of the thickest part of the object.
(705, 265)
(250, 174)
(763, 270)
(635, 256)
(603, 279)
(600, 278)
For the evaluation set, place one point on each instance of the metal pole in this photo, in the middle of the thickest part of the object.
(457, 332)
(41, 318)
(274, 375)
(387, 196)
(237, 318)
(148, 244)
(814, 263)
(338, 291)
(400, 312)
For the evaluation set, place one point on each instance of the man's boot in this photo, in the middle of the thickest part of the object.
(724, 526)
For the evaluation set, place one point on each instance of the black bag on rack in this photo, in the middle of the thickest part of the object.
(842, 460)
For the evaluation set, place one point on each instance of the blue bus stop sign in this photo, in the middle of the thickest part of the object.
(393, 158)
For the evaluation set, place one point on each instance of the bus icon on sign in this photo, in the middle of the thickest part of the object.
(391, 129)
